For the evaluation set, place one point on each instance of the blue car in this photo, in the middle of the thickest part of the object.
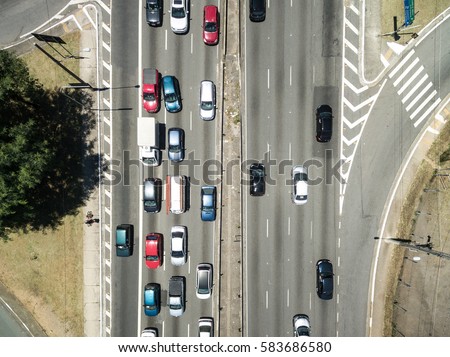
(152, 299)
(208, 203)
(171, 92)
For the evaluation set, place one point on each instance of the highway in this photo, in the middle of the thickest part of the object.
(292, 64)
(135, 46)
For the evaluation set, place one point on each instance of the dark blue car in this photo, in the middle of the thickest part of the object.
(208, 203)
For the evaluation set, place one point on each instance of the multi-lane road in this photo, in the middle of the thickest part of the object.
(292, 65)
(135, 46)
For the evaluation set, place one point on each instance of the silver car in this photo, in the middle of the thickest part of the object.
(176, 144)
(178, 253)
(204, 281)
(300, 185)
(207, 100)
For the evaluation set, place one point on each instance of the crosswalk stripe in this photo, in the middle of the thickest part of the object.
(423, 104)
(407, 70)
(434, 105)
(409, 81)
(411, 92)
(416, 99)
(400, 65)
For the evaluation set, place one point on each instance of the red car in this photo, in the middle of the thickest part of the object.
(210, 25)
(153, 250)
(150, 90)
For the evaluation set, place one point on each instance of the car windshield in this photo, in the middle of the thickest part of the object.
(178, 12)
(150, 203)
(149, 97)
(152, 7)
(149, 161)
(171, 97)
(152, 258)
(303, 331)
(175, 148)
(210, 27)
(207, 105)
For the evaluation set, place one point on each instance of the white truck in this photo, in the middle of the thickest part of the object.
(177, 289)
(148, 141)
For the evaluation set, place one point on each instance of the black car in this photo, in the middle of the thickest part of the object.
(324, 282)
(324, 123)
(257, 10)
(257, 181)
(154, 12)
(152, 195)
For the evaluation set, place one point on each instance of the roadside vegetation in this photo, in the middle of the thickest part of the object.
(44, 158)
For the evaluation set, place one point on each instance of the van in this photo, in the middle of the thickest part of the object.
(177, 194)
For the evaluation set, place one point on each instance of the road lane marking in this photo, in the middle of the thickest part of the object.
(268, 78)
(165, 40)
(310, 301)
(287, 298)
(189, 326)
(290, 151)
(192, 43)
(290, 75)
(267, 228)
(163, 328)
(339, 261)
(337, 298)
(267, 299)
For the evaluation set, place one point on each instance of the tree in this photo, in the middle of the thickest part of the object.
(47, 165)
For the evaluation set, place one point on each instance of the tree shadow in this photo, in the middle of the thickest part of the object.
(62, 163)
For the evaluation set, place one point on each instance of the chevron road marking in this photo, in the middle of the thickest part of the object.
(350, 65)
(351, 125)
(351, 46)
(353, 88)
(351, 26)
(361, 105)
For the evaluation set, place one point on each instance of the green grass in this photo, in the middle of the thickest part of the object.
(44, 270)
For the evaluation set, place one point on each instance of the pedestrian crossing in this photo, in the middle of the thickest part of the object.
(415, 88)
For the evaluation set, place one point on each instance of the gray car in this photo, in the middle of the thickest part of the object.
(176, 144)
(154, 12)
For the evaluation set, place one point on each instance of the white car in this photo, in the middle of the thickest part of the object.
(207, 100)
(150, 332)
(178, 245)
(300, 185)
(302, 326)
(179, 16)
(205, 327)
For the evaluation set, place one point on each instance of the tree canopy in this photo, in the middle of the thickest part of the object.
(47, 163)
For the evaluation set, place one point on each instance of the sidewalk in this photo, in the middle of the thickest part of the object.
(408, 285)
